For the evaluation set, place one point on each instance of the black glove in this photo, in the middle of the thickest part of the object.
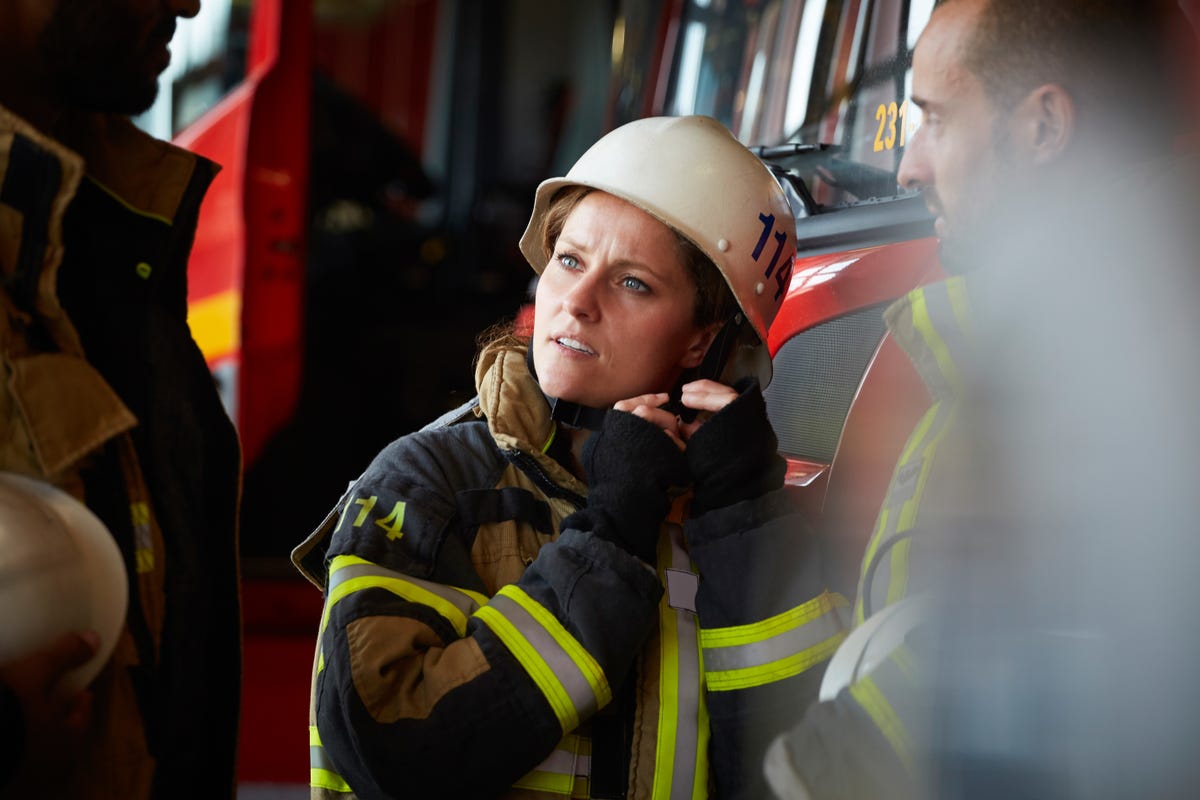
(732, 457)
(631, 465)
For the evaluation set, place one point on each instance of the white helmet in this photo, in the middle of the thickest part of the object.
(692, 175)
(60, 571)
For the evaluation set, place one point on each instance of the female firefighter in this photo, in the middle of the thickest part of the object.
(567, 588)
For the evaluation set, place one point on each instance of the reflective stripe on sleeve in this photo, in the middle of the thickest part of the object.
(567, 675)
(777, 648)
(873, 701)
(681, 754)
(350, 574)
(566, 771)
(322, 774)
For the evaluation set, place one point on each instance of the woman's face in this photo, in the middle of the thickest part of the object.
(614, 311)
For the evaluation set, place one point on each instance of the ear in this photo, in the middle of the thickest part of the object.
(1046, 121)
(701, 339)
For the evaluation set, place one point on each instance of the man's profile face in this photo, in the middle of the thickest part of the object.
(960, 156)
(106, 55)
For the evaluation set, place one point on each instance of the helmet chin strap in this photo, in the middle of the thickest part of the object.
(577, 415)
(710, 368)
(574, 415)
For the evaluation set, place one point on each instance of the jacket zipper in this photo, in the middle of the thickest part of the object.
(530, 467)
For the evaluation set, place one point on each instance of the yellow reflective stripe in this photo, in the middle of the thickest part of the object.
(550, 439)
(941, 353)
(410, 589)
(749, 677)
(587, 665)
(772, 626)
(881, 527)
(400, 588)
(868, 557)
(681, 752)
(566, 771)
(898, 584)
(884, 716)
(323, 779)
(776, 649)
(668, 690)
(960, 302)
(415, 591)
(536, 666)
(320, 774)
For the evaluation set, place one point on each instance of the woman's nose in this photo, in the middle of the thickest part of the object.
(580, 300)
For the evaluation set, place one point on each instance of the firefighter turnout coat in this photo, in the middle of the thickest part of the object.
(866, 741)
(106, 395)
(471, 647)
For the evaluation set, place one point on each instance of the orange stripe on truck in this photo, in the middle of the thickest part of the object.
(216, 324)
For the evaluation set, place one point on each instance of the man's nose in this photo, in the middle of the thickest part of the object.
(184, 8)
(914, 170)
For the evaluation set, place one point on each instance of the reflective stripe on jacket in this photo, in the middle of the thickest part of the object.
(863, 742)
(462, 623)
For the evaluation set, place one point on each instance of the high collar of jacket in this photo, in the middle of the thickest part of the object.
(148, 175)
(517, 413)
(932, 324)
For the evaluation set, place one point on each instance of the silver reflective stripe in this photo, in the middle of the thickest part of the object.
(780, 646)
(566, 762)
(564, 772)
(552, 653)
(687, 724)
(318, 759)
(460, 600)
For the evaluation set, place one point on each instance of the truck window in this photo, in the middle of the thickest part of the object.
(834, 73)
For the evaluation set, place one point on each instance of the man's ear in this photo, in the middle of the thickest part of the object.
(701, 340)
(1046, 123)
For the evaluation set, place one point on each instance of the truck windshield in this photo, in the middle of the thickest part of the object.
(815, 72)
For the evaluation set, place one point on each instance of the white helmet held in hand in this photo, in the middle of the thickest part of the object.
(692, 175)
(60, 571)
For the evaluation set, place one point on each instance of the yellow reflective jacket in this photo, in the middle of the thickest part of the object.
(864, 742)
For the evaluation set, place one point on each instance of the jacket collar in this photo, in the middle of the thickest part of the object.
(517, 413)
(933, 326)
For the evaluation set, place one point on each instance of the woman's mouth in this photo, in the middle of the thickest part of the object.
(574, 345)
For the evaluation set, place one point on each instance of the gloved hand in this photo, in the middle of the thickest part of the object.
(732, 457)
(631, 465)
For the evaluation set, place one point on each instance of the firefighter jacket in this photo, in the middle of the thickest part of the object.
(865, 743)
(472, 646)
(106, 395)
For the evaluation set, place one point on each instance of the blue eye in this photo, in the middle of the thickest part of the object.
(630, 282)
(568, 261)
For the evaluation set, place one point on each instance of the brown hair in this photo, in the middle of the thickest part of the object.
(714, 301)
(1112, 56)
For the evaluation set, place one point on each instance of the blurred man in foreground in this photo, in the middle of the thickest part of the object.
(107, 396)
(1020, 673)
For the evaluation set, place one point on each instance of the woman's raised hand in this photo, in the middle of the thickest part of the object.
(648, 407)
(705, 396)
